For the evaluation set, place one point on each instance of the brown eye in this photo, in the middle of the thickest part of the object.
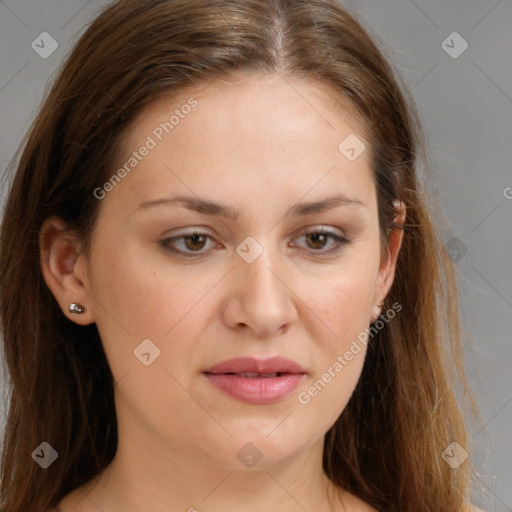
(195, 242)
(317, 240)
(190, 244)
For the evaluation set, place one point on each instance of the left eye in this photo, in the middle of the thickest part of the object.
(321, 236)
(195, 241)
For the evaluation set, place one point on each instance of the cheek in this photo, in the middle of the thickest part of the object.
(345, 313)
(142, 295)
(135, 302)
(342, 300)
(347, 299)
(339, 306)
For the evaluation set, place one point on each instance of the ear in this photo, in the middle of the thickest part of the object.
(386, 273)
(64, 269)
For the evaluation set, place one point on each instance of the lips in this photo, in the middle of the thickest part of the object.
(256, 381)
(248, 375)
(249, 365)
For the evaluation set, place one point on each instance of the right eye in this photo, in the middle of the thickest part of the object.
(194, 241)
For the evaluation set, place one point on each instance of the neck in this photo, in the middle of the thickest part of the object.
(151, 477)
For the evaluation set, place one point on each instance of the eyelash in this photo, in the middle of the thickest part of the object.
(340, 243)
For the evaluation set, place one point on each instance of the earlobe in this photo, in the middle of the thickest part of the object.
(61, 265)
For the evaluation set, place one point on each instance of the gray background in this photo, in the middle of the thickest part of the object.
(466, 107)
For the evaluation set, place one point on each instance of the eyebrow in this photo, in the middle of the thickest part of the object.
(206, 207)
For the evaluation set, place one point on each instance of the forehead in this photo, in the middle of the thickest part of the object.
(280, 131)
(252, 103)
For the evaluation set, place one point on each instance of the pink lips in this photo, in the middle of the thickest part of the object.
(256, 381)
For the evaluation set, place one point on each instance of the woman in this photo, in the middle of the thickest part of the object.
(221, 286)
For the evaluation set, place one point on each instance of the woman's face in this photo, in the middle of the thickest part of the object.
(255, 283)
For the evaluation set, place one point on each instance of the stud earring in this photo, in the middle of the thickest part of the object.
(77, 308)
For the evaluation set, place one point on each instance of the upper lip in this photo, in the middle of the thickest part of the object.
(275, 364)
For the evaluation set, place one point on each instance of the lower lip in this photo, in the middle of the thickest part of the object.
(259, 391)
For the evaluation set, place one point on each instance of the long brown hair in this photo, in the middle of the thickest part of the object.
(386, 446)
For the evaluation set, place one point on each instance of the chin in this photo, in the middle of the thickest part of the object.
(259, 450)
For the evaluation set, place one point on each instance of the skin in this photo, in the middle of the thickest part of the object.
(258, 145)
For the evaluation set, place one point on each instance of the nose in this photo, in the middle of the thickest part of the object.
(260, 297)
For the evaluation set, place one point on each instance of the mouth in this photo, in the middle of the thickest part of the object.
(255, 375)
(254, 381)
(252, 367)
